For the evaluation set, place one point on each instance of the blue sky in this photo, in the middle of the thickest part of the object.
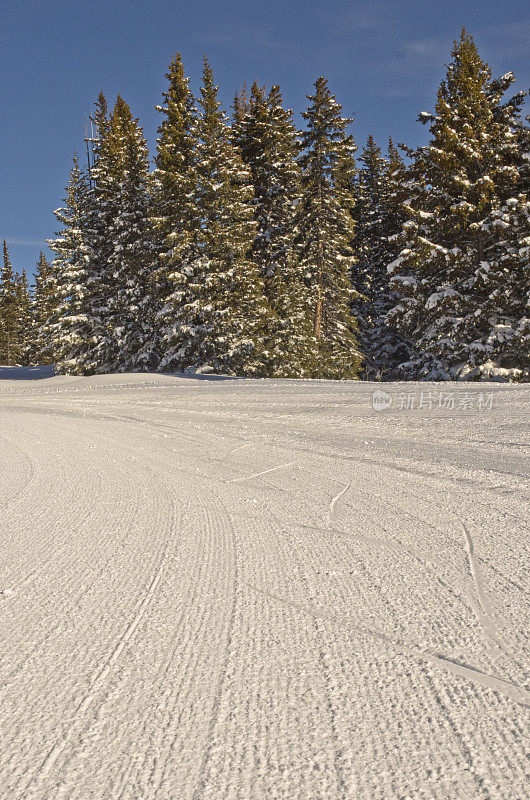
(383, 58)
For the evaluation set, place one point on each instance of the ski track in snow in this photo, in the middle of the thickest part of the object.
(184, 612)
(336, 499)
(473, 568)
(102, 673)
(264, 472)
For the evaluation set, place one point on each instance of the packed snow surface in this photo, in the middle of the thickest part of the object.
(217, 588)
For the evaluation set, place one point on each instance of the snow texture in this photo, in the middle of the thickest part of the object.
(224, 588)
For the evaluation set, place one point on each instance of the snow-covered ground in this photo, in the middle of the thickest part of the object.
(261, 589)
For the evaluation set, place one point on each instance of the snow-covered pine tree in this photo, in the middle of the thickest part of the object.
(44, 303)
(377, 220)
(503, 277)
(24, 319)
(129, 265)
(459, 180)
(222, 311)
(175, 218)
(269, 143)
(98, 212)
(66, 334)
(398, 191)
(115, 243)
(325, 233)
(10, 348)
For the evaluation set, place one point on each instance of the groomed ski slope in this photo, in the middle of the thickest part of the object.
(260, 589)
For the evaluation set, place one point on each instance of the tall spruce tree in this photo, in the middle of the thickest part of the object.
(44, 302)
(269, 143)
(10, 345)
(325, 233)
(129, 262)
(24, 319)
(377, 221)
(503, 277)
(221, 307)
(113, 236)
(99, 210)
(175, 217)
(460, 178)
(65, 336)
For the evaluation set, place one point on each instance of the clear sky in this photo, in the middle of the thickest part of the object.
(383, 58)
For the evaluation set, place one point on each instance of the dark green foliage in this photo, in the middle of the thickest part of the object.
(325, 234)
(175, 217)
(66, 334)
(129, 265)
(11, 346)
(377, 221)
(270, 146)
(44, 307)
(447, 269)
(24, 319)
(218, 311)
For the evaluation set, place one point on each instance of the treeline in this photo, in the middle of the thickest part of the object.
(257, 249)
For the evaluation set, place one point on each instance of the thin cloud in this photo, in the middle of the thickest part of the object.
(377, 16)
(431, 50)
(509, 41)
